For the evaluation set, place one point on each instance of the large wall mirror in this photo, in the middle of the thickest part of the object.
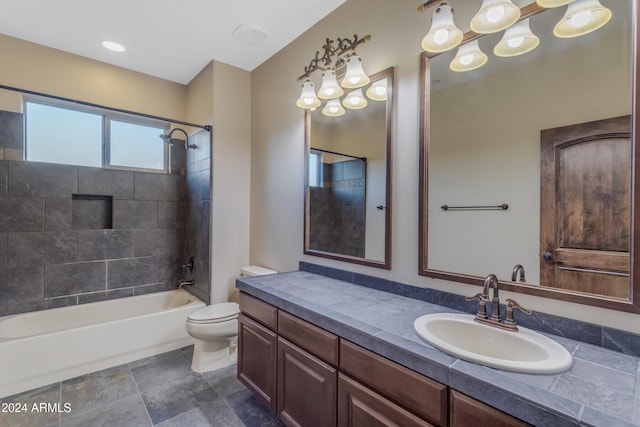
(348, 180)
(531, 160)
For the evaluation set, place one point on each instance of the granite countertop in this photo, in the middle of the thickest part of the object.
(601, 389)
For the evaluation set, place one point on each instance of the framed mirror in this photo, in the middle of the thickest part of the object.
(531, 161)
(348, 179)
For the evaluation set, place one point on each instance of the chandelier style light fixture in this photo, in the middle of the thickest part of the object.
(581, 17)
(339, 56)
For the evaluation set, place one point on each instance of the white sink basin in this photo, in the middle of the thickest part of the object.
(522, 351)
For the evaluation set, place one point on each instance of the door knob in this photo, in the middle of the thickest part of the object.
(548, 256)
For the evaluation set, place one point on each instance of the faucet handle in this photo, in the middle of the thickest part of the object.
(511, 304)
(482, 306)
(478, 297)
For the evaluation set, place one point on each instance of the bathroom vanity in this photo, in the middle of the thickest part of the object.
(323, 352)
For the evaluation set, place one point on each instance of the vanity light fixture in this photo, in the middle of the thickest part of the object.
(114, 46)
(553, 3)
(582, 17)
(443, 34)
(308, 98)
(469, 57)
(337, 54)
(378, 90)
(330, 88)
(517, 40)
(333, 108)
(355, 76)
(355, 100)
(494, 16)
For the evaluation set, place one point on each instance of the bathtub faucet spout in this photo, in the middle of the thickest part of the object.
(183, 283)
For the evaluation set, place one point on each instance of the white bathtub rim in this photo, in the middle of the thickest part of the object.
(197, 303)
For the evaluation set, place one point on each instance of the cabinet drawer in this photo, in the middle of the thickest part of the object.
(466, 411)
(358, 406)
(418, 394)
(313, 339)
(259, 310)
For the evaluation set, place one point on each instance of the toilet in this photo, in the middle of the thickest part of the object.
(215, 330)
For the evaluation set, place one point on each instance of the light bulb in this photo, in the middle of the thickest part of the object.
(495, 14)
(441, 36)
(515, 42)
(466, 59)
(581, 19)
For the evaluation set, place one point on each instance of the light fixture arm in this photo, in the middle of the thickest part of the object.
(428, 4)
(324, 62)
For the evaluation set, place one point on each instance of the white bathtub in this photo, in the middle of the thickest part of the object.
(44, 347)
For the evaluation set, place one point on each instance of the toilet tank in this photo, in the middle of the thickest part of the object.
(255, 270)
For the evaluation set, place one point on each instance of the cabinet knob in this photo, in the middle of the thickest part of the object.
(548, 256)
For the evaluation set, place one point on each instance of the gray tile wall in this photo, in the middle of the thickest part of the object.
(47, 260)
(337, 210)
(197, 214)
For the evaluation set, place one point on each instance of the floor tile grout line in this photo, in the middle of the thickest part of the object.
(146, 410)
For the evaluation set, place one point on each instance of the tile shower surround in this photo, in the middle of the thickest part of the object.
(52, 254)
(338, 208)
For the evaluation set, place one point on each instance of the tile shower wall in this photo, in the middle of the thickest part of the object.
(61, 246)
(197, 217)
(337, 209)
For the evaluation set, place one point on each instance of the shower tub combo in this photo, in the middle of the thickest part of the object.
(44, 347)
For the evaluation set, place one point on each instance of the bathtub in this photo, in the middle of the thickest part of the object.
(48, 346)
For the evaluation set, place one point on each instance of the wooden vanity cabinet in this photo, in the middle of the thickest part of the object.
(306, 388)
(257, 348)
(359, 406)
(257, 355)
(465, 411)
(398, 385)
(313, 378)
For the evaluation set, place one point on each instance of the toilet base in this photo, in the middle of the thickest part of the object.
(212, 355)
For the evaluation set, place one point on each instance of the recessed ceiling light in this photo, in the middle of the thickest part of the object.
(116, 47)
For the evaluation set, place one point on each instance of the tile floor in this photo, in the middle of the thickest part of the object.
(157, 391)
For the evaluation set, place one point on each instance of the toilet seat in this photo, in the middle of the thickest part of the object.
(215, 313)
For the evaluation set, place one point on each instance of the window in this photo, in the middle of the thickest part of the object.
(315, 168)
(58, 132)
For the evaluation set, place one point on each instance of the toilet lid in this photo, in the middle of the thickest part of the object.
(216, 313)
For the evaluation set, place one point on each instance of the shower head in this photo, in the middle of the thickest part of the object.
(169, 140)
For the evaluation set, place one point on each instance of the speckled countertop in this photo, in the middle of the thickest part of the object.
(601, 389)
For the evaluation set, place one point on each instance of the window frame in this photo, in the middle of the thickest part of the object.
(107, 116)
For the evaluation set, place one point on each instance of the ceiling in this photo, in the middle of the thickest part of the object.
(169, 39)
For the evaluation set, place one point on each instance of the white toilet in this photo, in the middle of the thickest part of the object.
(215, 330)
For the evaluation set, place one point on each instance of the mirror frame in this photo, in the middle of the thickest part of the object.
(633, 304)
(386, 263)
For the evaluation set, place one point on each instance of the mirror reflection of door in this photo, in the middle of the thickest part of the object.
(585, 205)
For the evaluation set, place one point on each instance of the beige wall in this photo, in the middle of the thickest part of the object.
(220, 94)
(38, 68)
(278, 148)
(231, 178)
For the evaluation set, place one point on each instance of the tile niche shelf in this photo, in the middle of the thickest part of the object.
(90, 212)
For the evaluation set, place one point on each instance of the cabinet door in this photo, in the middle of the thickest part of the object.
(306, 388)
(359, 406)
(466, 411)
(257, 353)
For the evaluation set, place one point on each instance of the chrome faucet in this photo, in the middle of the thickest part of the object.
(514, 274)
(509, 323)
(183, 283)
